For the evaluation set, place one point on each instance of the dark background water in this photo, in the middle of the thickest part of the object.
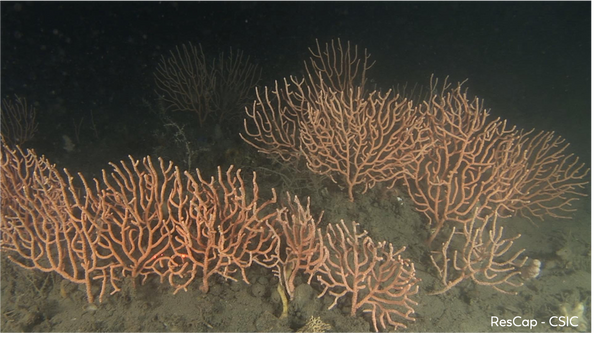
(530, 62)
